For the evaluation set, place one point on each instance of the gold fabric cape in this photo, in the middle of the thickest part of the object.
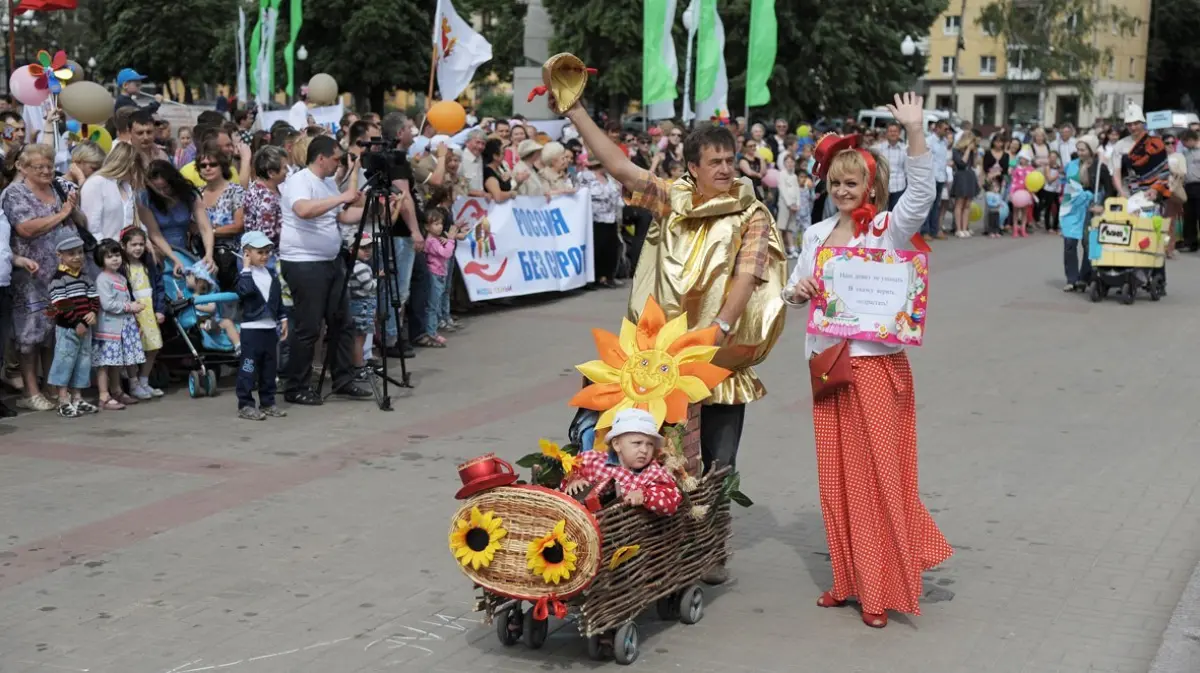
(687, 264)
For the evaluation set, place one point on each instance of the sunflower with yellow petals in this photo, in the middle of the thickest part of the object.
(476, 540)
(553, 452)
(553, 555)
(655, 365)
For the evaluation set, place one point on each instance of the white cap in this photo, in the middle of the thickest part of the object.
(634, 420)
(1133, 113)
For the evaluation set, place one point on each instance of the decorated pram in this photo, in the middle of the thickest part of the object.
(1128, 248)
(535, 552)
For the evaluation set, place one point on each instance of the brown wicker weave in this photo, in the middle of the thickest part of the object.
(530, 512)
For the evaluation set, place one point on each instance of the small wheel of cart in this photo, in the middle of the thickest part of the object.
(508, 626)
(535, 630)
(210, 383)
(1154, 287)
(597, 650)
(691, 605)
(1127, 292)
(195, 384)
(668, 607)
(1094, 291)
(626, 643)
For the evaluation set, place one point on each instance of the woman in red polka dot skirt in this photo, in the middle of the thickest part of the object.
(880, 535)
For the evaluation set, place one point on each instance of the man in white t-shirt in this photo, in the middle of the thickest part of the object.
(310, 247)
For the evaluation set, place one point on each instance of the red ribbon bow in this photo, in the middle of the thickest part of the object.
(541, 609)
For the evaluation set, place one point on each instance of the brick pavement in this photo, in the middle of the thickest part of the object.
(1057, 455)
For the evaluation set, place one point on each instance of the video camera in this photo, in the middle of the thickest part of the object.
(383, 162)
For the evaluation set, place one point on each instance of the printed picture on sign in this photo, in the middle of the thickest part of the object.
(870, 294)
(1115, 234)
(480, 241)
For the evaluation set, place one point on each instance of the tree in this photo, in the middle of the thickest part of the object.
(1173, 63)
(370, 46)
(1054, 39)
(161, 39)
(607, 35)
(504, 27)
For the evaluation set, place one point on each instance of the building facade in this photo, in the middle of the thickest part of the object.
(994, 90)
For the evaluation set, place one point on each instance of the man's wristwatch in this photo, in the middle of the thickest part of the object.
(725, 327)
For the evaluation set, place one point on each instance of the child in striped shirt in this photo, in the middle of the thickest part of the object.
(363, 302)
(75, 304)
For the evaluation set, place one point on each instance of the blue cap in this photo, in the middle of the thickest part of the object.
(129, 75)
(200, 271)
(256, 240)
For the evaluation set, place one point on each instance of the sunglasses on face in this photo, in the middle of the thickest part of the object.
(207, 164)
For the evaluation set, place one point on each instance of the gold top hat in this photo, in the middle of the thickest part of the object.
(565, 76)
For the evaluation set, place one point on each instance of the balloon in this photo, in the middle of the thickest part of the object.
(73, 126)
(322, 89)
(1035, 181)
(21, 84)
(803, 131)
(77, 74)
(447, 116)
(88, 102)
(1021, 198)
(976, 212)
(766, 153)
(101, 137)
(771, 179)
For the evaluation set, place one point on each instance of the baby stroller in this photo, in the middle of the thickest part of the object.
(1128, 250)
(215, 348)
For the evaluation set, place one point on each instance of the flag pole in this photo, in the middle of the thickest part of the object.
(433, 59)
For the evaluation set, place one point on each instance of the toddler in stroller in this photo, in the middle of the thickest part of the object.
(211, 317)
(204, 337)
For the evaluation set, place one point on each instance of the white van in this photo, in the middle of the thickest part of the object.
(879, 118)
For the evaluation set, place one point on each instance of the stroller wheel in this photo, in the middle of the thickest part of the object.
(195, 385)
(1128, 291)
(1094, 291)
(210, 383)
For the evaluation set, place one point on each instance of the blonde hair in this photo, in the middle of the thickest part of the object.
(964, 141)
(299, 151)
(36, 150)
(88, 152)
(850, 163)
(124, 164)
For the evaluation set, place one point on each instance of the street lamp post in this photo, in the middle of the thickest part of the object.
(910, 48)
(91, 64)
(301, 57)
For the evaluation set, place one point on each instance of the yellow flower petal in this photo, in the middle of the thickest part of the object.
(696, 354)
(629, 337)
(675, 328)
(693, 387)
(599, 371)
(657, 409)
(606, 418)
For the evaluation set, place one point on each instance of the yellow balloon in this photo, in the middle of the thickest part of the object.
(766, 153)
(803, 131)
(100, 136)
(1035, 181)
(976, 212)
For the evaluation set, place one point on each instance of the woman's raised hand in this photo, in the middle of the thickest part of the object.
(908, 109)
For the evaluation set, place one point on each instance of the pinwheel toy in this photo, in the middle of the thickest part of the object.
(51, 73)
(720, 118)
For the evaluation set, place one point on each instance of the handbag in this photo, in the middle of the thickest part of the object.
(89, 241)
(830, 370)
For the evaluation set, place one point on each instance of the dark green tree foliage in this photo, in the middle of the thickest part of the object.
(161, 38)
(1173, 67)
(607, 35)
(504, 28)
(1058, 39)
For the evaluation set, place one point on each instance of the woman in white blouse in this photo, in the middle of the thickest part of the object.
(109, 196)
(880, 535)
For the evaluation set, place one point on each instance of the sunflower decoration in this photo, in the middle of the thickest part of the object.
(553, 555)
(51, 72)
(655, 365)
(475, 540)
(553, 452)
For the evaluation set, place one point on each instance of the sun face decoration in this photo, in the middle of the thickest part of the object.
(552, 556)
(654, 365)
(476, 540)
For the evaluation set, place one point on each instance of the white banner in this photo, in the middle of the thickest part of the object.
(329, 116)
(525, 245)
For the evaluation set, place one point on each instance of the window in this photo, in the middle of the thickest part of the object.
(1131, 62)
(1112, 66)
(943, 102)
(985, 110)
(1073, 22)
(989, 29)
(952, 25)
(948, 65)
(1137, 27)
(987, 65)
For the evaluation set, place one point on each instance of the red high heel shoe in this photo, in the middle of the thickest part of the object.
(875, 621)
(828, 601)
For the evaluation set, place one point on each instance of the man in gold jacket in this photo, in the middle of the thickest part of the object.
(713, 252)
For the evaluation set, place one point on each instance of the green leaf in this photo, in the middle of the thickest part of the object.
(741, 499)
(530, 460)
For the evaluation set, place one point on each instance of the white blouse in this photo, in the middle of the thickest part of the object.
(109, 206)
(904, 221)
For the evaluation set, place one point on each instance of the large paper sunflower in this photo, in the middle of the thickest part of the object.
(655, 365)
(553, 555)
(476, 540)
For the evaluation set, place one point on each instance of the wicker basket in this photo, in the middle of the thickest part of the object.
(530, 512)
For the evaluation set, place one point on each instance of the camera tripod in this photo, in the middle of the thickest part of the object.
(377, 213)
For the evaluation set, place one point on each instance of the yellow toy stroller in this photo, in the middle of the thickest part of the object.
(1128, 249)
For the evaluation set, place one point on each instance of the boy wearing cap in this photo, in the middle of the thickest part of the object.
(129, 83)
(633, 444)
(75, 304)
(261, 295)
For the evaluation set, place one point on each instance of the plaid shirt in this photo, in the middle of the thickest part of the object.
(654, 194)
(595, 467)
(896, 156)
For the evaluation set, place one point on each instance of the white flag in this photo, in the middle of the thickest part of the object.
(691, 21)
(666, 109)
(460, 50)
(242, 96)
(266, 51)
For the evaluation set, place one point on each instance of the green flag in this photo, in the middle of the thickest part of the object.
(289, 55)
(658, 82)
(255, 40)
(761, 61)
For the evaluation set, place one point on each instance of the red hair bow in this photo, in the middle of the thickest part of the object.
(542, 608)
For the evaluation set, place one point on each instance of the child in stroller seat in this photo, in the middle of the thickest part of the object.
(211, 315)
